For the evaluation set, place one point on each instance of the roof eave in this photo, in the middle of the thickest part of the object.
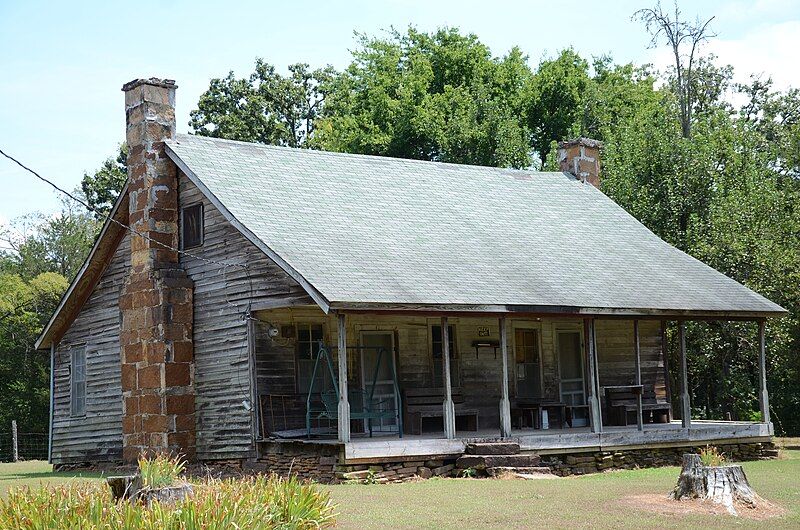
(607, 312)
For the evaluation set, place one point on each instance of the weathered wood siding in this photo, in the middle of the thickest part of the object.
(97, 436)
(222, 297)
(615, 353)
(480, 371)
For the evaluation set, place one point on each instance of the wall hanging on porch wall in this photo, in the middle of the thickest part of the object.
(485, 344)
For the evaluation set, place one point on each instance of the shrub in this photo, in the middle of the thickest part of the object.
(255, 502)
(161, 470)
(710, 456)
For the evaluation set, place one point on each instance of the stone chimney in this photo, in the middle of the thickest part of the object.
(581, 157)
(156, 300)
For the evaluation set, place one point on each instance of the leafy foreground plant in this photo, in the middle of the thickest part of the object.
(710, 456)
(254, 502)
(161, 470)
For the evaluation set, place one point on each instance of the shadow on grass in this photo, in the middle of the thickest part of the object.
(32, 475)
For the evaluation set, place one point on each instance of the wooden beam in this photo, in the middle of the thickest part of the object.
(505, 403)
(595, 415)
(344, 402)
(763, 396)
(638, 366)
(665, 359)
(52, 401)
(686, 406)
(449, 407)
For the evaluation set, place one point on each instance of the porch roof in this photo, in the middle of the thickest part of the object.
(374, 232)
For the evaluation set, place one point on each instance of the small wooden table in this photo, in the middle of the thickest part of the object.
(533, 409)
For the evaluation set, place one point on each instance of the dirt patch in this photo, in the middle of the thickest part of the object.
(662, 505)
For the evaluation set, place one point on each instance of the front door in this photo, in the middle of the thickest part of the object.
(379, 346)
(570, 364)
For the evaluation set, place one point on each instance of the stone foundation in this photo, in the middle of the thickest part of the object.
(593, 462)
(321, 463)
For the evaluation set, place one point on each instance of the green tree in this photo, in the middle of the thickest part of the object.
(102, 187)
(25, 307)
(267, 108)
(439, 96)
(57, 243)
(556, 100)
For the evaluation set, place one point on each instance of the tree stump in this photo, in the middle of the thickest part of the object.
(726, 485)
(125, 487)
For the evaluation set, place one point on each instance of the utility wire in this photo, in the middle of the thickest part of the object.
(111, 219)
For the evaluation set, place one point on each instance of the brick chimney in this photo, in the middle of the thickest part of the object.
(156, 299)
(581, 157)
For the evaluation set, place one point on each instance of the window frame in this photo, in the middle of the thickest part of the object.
(78, 352)
(308, 325)
(201, 226)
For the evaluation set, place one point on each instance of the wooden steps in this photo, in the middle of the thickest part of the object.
(495, 458)
(535, 470)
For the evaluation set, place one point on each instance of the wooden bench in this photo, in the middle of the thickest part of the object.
(622, 400)
(421, 403)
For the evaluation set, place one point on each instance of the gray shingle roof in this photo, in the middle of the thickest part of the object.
(366, 229)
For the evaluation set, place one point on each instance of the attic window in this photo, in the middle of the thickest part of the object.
(192, 226)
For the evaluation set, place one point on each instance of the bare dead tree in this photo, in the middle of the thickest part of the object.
(685, 39)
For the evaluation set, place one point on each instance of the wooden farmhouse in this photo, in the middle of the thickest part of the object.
(266, 306)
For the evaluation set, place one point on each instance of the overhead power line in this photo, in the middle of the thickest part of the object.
(111, 219)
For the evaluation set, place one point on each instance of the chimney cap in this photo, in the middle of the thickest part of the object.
(585, 142)
(153, 81)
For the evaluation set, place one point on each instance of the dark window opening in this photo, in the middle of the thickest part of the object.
(309, 337)
(436, 353)
(192, 226)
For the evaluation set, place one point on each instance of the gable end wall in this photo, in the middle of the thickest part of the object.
(222, 357)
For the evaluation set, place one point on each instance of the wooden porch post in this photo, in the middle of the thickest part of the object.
(505, 404)
(638, 365)
(686, 407)
(449, 408)
(595, 416)
(344, 402)
(763, 397)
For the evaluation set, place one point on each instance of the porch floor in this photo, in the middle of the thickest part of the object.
(361, 448)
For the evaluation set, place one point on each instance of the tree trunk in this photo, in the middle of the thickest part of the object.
(726, 485)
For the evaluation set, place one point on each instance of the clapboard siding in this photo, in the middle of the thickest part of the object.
(222, 297)
(615, 352)
(97, 436)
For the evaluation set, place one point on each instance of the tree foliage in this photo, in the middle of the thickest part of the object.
(102, 187)
(267, 107)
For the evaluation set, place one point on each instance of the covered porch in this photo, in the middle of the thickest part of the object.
(403, 384)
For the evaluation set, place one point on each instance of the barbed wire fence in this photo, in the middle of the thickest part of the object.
(16, 444)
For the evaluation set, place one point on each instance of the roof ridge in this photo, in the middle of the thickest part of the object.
(323, 152)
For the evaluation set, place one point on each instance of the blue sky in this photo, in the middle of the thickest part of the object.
(62, 63)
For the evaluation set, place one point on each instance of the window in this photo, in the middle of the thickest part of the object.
(78, 382)
(436, 353)
(526, 353)
(192, 226)
(308, 338)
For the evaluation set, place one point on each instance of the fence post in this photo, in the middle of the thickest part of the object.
(14, 446)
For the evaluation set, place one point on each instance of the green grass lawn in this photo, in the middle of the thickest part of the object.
(599, 500)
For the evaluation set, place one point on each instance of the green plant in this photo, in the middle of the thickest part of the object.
(710, 456)
(254, 503)
(370, 478)
(161, 470)
(470, 472)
